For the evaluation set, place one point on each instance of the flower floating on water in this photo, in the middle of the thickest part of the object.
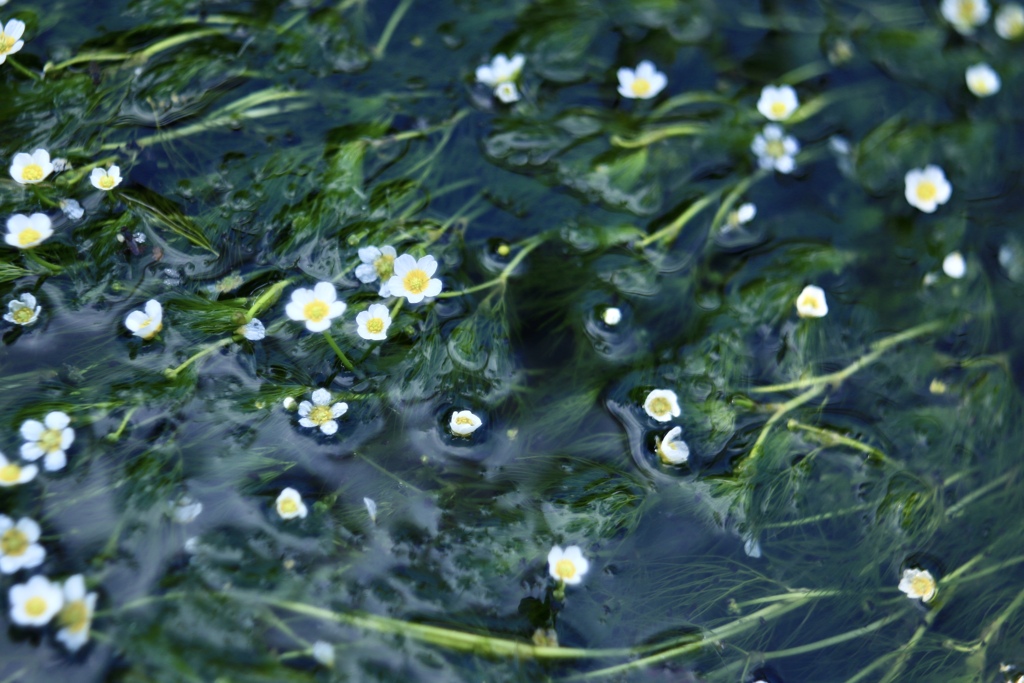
(18, 547)
(777, 103)
(377, 264)
(412, 278)
(105, 180)
(254, 330)
(75, 617)
(611, 316)
(642, 83)
(569, 565)
(10, 38)
(148, 323)
(965, 15)
(373, 323)
(926, 188)
(671, 449)
(501, 75)
(12, 474)
(982, 80)
(315, 306)
(1010, 21)
(186, 509)
(23, 310)
(507, 92)
(289, 504)
(323, 652)
(741, 216)
(31, 168)
(72, 209)
(662, 405)
(775, 149)
(954, 265)
(918, 583)
(321, 413)
(811, 303)
(25, 232)
(49, 438)
(36, 602)
(464, 422)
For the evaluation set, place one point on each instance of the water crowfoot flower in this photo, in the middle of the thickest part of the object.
(775, 149)
(643, 83)
(611, 316)
(36, 602)
(965, 15)
(289, 504)
(926, 188)
(148, 323)
(500, 70)
(412, 278)
(1010, 21)
(72, 209)
(18, 547)
(186, 509)
(569, 565)
(75, 617)
(507, 92)
(777, 103)
(49, 438)
(25, 232)
(982, 80)
(741, 216)
(29, 169)
(811, 302)
(315, 306)
(954, 265)
(321, 413)
(12, 474)
(918, 583)
(23, 310)
(105, 180)
(371, 508)
(662, 405)
(377, 264)
(323, 652)
(464, 423)
(671, 449)
(254, 330)
(10, 38)
(373, 323)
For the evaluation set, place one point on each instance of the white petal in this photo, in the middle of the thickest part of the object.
(325, 291)
(55, 461)
(339, 409)
(330, 427)
(57, 420)
(403, 264)
(32, 430)
(321, 397)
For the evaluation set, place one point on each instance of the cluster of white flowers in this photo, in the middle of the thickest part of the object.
(501, 75)
(773, 148)
(663, 405)
(36, 602)
(965, 15)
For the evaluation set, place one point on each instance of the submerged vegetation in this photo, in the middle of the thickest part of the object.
(552, 340)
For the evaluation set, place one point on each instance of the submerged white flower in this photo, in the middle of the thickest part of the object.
(954, 265)
(12, 474)
(36, 602)
(662, 405)
(18, 547)
(23, 310)
(25, 232)
(918, 583)
(75, 617)
(289, 504)
(464, 422)
(611, 316)
(673, 450)
(811, 302)
(186, 509)
(1010, 21)
(373, 323)
(775, 149)
(777, 103)
(10, 38)
(254, 330)
(377, 264)
(741, 216)
(412, 278)
(323, 652)
(72, 209)
(371, 508)
(982, 80)
(926, 188)
(48, 440)
(965, 15)
(500, 70)
(315, 306)
(642, 83)
(321, 412)
(507, 92)
(28, 169)
(147, 323)
(567, 565)
(105, 180)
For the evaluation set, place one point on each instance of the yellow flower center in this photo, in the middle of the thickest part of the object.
(660, 406)
(10, 474)
(50, 440)
(778, 109)
(374, 325)
(775, 148)
(641, 86)
(1015, 26)
(75, 616)
(106, 182)
(6, 43)
(35, 606)
(23, 315)
(416, 281)
(926, 191)
(32, 172)
(565, 569)
(809, 301)
(923, 585)
(288, 506)
(316, 310)
(385, 266)
(967, 11)
(320, 414)
(14, 543)
(981, 85)
(28, 236)
(463, 420)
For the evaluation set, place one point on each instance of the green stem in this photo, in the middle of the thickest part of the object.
(114, 436)
(389, 28)
(733, 196)
(779, 414)
(338, 352)
(172, 373)
(828, 437)
(506, 272)
(670, 231)
(818, 518)
(834, 640)
(974, 495)
(396, 308)
(23, 69)
(266, 299)
(658, 134)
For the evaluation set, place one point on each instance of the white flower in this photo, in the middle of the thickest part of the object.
(662, 405)
(500, 70)
(811, 303)
(1010, 21)
(60, 164)
(25, 232)
(775, 149)
(412, 278)
(72, 209)
(982, 80)
(31, 168)
(320, 413)
(36, 602)
(148, 323)
(507, 92)
(12, 474)
(642, 83)
(105, 180)
(373, 323)
(926, 188)
(323, 652)
(23, 310)
(371, 508)
(18, 547)
(288, 403)
(254, 330)
(567, 565)
(464, 423)
(377, 264)
(741, 216)
(777, 103)
(918, 583)
(315, 306)
(10, 38)
(954, 265)
(49, 438)
(186, 509)
(289, 504)
(76, 615)
(965, 15)
(672, 450)
(611, 316)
